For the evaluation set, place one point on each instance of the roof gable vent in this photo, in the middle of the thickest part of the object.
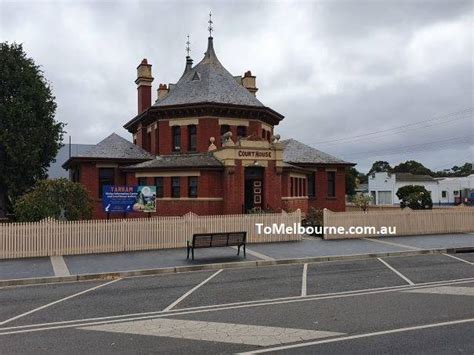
(196, 76)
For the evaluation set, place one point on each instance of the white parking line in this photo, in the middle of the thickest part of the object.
(59, 266)
(391, 243)
(192, 290)
(459, 259)
(396, 271)
(215, 308)
(304, 280)
(56, 302)
(358, 336)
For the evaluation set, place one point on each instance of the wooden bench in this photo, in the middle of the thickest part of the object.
(210, 240)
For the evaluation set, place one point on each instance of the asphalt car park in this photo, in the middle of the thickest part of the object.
(422, 303)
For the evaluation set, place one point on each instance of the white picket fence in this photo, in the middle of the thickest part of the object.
(406, 221)
(51, 237)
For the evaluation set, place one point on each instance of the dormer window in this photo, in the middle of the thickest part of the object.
(196, 76)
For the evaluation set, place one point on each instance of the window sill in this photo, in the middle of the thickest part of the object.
(331, 198)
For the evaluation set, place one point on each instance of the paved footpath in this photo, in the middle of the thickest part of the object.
(310, 247)
(404, 304)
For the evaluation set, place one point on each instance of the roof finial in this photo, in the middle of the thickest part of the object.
(188, 49)
(210, 28)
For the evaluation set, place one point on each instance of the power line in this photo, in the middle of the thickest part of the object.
(415, 147)
(440, 118)
(355, 140)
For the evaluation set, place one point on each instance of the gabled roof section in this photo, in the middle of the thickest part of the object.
(195, 160)
(116, 147)
(296, 152)
(208, 82)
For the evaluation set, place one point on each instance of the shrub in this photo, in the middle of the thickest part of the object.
(314, 217)
(362, 201)
(415, 197)
(59, 199)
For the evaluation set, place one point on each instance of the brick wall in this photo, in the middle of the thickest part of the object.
(233, 185)
(337, 203)
(161, 138)
(272, 188)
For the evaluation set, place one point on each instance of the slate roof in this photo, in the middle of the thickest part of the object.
(413, 177)
(298, 153)
(195, 160)
(55, 170)
(208, 81)
(116, 147)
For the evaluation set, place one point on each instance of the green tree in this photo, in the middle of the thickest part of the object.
(415, 197)
(29, 135)
(59, 199)
(353, 179)
(352, 182)
(380, 167)
(412, 166)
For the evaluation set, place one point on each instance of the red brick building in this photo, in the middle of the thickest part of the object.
(208, 145)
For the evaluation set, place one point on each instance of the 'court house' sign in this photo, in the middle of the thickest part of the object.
(254, 154)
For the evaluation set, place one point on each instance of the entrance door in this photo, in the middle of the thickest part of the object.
(253, 188)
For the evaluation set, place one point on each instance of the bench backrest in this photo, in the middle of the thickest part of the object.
(207, 240)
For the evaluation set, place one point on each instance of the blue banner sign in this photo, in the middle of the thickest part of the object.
(122, 199)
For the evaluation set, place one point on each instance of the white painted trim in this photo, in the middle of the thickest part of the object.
(183, 121)
(233, 122)
(396, 272)
(298, 176)
(192, 290)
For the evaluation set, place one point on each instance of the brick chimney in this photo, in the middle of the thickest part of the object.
(162, 91)
(249, 82)
(144, 80)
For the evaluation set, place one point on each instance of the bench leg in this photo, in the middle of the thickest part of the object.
(187, 257)
(192, 253)
(245, 255)
(238, 250)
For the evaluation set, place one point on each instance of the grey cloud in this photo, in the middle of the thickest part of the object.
(333, 68)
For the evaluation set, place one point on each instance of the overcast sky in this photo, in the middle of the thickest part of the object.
(334, 69)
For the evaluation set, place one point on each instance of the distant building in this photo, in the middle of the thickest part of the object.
(383, 187)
